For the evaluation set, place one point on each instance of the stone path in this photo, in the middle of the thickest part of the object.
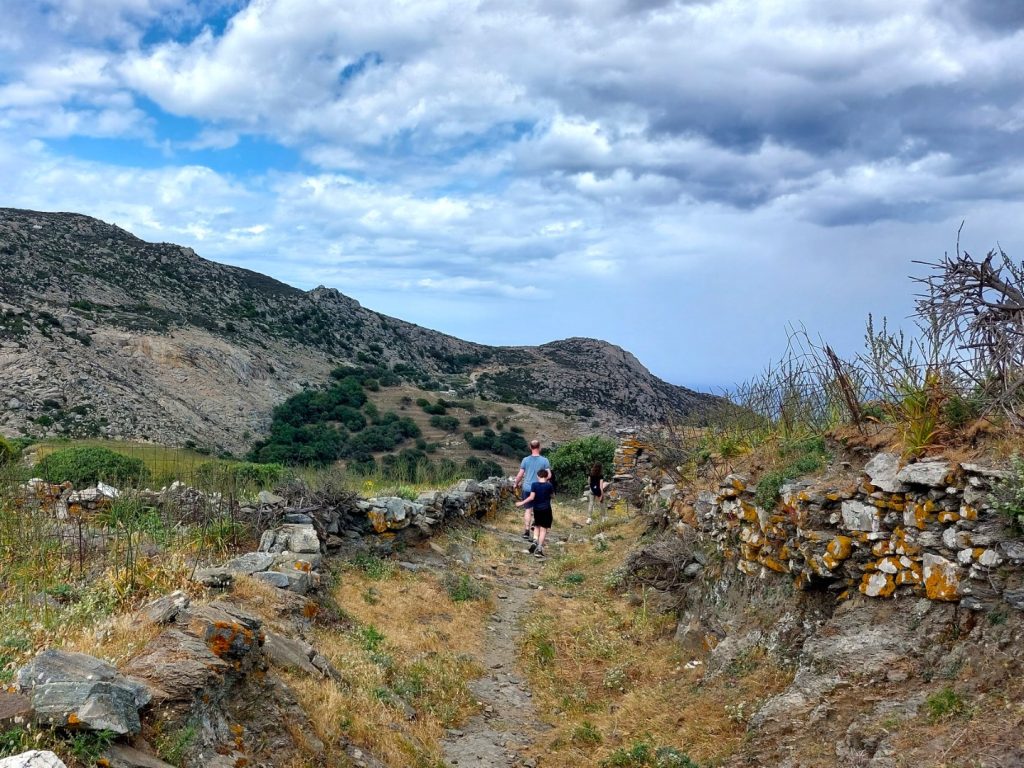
(497, 737)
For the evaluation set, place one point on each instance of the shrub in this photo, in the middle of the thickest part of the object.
(479, 421)
(8, 453)
(1008, 494)
(447, 423)
(571, 462)
(945, 703)
(85, 466)
(642, 754)
(215, 474)
(461, 588)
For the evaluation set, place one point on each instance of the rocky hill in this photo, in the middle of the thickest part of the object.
(104, 334)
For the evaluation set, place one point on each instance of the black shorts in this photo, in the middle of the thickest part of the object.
(542, 518)
(595, 491)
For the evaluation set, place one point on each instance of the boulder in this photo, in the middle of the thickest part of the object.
(82, 691)
(176, 665)
(94, 706)
(33, 759)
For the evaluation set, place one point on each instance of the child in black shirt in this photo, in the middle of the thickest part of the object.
(540, 497)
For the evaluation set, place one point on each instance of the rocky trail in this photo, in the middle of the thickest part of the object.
(499, 736)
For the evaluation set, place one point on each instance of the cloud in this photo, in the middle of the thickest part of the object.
(605, 152)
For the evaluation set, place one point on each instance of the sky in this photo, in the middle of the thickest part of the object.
(685, 179)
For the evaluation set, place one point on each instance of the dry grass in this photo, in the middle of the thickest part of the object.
(607, 673)
(410, 646)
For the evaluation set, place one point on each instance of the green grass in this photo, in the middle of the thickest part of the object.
(944, 704)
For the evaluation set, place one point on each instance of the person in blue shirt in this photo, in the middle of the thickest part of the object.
(540, 499)
(528, 471)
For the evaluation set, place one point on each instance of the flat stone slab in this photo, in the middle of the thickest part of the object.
(73, 689)
(931, 473)
(33, 759)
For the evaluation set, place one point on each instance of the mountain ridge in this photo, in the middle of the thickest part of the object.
(103, 333)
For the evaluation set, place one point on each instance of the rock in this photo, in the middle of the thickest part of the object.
(269, 499)
(217, 577)
(289, 653)
(164, 609)
(176, 665)
(82, 691)
(15, 709)
(298, 582)
(95, 706)
(693, 570)
(858, 516)
(291, 538)
(227, 630)
(123, 756)
(297, 518)
(250, 563)
(989, 473)
(33, 759)
(882, 471)
(931, 473)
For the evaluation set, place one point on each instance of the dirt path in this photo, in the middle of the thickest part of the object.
(497, 737)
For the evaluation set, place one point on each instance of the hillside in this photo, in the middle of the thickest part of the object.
(104, 334)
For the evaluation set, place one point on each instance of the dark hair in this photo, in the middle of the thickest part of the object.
(596, 471)
(543, 474)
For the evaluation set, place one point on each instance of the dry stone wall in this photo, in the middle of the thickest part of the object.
(926, 529)
(208, 663)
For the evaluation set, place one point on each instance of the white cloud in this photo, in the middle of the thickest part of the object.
(619, 150)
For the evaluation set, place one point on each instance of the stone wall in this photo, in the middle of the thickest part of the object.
(209, 665)
(926, 529)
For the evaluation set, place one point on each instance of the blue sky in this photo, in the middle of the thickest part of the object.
(683, 178)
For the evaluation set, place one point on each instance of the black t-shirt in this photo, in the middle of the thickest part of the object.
(542, 493)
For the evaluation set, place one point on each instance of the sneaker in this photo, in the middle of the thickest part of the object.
(526, 534)
(588, 521)
(539, 554)
(533, 548)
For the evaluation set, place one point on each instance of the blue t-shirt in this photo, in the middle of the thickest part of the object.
(542, 493)
(531, 465)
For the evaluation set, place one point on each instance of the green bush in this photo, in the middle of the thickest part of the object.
(461, 588)
(447, 423)
(85, 466)
(571, 462)
(214, 474)
(642, 754)
(1008, 494)
(945, 703)
(805, 455)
